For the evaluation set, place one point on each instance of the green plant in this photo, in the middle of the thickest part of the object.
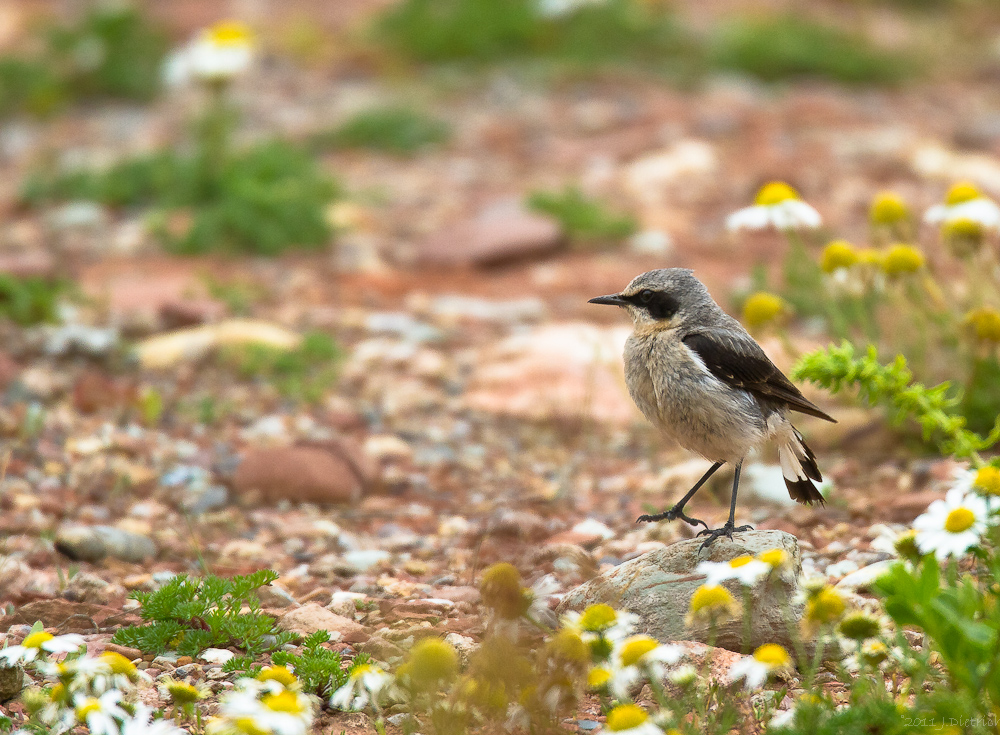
(583, 219)
(785, 46)
(590, 35)
(836, 368)
(188, 615)
(319, 669)
(29, 301)
(395, 129)
(303, 374)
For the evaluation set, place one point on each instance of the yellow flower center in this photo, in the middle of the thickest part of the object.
(959, 520)
(826, 606)
(86, 709)
(902, 259)
(773, 656)
(626, 717)
(598, 617)
(875, 652)
(962, 192)
(247, 726)
(182, 692)
(838, 254)
(119, 664)
(568, 646)
(230, 33)
(761, 308)
(906, 545)
(859, 627)
(985, 322)
(711, 599)
(432, 660)
(35, 640)
(59, 693)
(598, 677)
(502, 591)
(635, 648)
(988, 480)
(284, 701)
(740, 561)
(280, 674)
(774, 557)
(361, 669)
(964, 228)
(888, 209)
(775, 192)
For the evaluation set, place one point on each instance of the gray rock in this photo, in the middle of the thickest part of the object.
(658, 586)
(93, 543)
(11, 682)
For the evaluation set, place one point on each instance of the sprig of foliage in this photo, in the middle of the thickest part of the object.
(836, 368)
(583, 219)
(395, 129)
(302, 374)
(188, 615)
(318, 668)
(29, 301)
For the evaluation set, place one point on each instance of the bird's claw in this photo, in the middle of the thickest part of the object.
(727, 530)
(672, 515)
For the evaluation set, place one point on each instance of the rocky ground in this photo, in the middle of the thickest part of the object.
(480, 414)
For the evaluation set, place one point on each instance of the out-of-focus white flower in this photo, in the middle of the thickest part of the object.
(101, 715)
(217, 54)
(984, 481)
(364, 683)
(140, 724)
(965, 202)
(640, 656)
(952, 526)
(777, 206)
(557, 8)
(280, 711)
(631, 719)
(601, 619)
(755, 669)
(40, 643)
(746, 569)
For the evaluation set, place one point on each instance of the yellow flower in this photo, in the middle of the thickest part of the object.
(963, 191)
(773, 656)
(988, 480)
(635, 648)
(230, 33)
(502, 591)
(824, 606)
(959, 520)
(906, 545)
(183, 693)
(964, 228)
(432, 661)
(626, 717)
(286, 701)
(902, 259)
(570, 647)
(774, 557)
(888, 208)
(598, 677)
(761, 308)
(985, 323)
(280, 674)
(775, 192)
(711, 603)
(838, 254)
(597, 618)
(859, 627)
(874, 652)
(35, 640)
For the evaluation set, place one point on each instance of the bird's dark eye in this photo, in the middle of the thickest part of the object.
(645, 296)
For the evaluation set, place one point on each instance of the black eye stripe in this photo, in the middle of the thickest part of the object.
(659, 304)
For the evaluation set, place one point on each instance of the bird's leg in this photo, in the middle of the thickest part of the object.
(678, 510)
(730, 528)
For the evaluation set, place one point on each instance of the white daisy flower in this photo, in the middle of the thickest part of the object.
(38, 644)
(965, 202)
(140, 724)
(600, 619)
(281, 712)
(777, 206)
(637, 657)
(217, 54)
(631, 719)
(364, 683)
(100, 714)
(984, 481)
(747, 570)
(950, 527)
(755, 669)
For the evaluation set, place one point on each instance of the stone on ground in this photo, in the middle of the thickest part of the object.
(657, 586)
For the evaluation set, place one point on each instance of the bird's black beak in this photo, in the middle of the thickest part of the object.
(610, 300)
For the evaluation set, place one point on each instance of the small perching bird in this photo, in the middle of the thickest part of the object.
(701, 379)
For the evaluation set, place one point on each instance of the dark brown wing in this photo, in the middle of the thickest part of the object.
(740, 362)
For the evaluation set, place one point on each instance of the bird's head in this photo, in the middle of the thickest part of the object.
(663, 299)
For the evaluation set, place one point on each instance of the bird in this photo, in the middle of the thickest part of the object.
(700, 378)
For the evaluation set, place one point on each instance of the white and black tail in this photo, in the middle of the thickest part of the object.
(798, 466)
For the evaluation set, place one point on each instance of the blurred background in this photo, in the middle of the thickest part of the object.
(372, 226)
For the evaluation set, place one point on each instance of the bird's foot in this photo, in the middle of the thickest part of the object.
(672, 515)
(727, 530)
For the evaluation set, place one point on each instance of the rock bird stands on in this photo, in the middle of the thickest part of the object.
(701, 379)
